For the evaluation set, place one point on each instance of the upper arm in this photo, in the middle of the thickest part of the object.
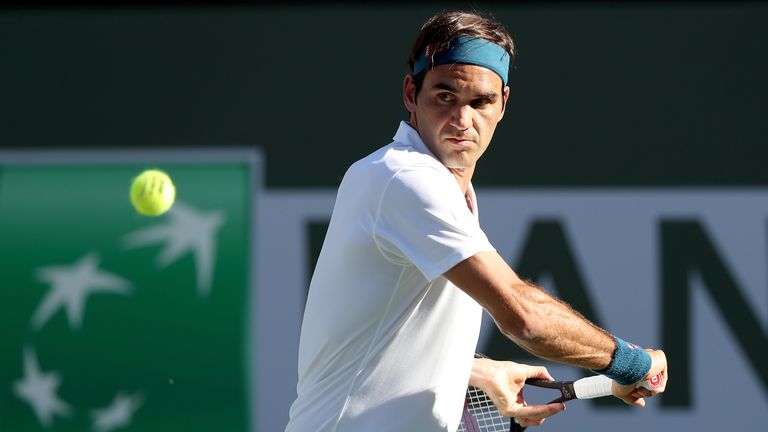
(423, 220)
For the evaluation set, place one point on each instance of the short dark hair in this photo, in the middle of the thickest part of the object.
(437, 33)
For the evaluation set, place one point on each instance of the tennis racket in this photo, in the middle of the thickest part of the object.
(481, 415)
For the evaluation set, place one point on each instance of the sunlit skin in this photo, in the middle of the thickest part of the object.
(456, 113)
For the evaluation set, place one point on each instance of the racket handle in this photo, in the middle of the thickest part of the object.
(592, 387)
(515, 426)
(600, 385)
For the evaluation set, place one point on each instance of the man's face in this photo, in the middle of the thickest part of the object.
(456, 111)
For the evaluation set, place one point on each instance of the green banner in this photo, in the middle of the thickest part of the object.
(114, 321)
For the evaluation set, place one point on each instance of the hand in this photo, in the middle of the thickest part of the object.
(503, 382)
(635, 394)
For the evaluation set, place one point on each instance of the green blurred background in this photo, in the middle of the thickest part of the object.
(175, 342)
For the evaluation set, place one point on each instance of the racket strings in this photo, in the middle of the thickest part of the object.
(481, 415)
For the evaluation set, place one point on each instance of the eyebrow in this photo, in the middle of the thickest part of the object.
(444, 86)
(492, 95)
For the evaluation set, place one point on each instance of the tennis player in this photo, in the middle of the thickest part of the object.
(395, 303)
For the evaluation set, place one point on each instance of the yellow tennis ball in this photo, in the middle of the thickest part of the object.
(152, 193)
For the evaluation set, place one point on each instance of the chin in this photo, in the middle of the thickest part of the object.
(456, 164)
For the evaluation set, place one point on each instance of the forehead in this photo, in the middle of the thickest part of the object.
(463, 77)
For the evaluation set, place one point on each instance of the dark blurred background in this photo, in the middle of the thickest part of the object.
(603, 93)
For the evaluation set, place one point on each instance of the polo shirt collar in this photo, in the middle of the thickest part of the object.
(408, 135)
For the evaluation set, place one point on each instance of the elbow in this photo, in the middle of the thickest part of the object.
(525, 331)
(522, 320)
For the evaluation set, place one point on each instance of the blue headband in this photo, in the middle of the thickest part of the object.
(470, 50)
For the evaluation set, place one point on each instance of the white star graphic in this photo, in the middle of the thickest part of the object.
(71, 287)
(188, 230)
(118, 414)
(39, 390)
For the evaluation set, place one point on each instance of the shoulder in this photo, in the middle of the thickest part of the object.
(418, 181)
(396, 169)
(405, 152)
(398, 160)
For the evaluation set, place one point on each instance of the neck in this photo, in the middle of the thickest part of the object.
(463, 176)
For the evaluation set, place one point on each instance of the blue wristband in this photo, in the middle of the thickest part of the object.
(629, 363)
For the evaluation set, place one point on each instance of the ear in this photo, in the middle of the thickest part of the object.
(505, 98)
(409, 93)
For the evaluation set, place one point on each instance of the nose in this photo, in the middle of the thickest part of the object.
(461, 118)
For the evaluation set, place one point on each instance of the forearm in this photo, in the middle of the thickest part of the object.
(551, 329)
(535, 320)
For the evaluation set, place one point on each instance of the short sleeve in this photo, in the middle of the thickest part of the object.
(423, 219)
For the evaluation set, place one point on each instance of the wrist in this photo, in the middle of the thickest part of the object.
(629, 363)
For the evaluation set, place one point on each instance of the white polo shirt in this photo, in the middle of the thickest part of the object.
(387, 342)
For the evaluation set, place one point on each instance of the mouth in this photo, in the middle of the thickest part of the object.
(461, 141)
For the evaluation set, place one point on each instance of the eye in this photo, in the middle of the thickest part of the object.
(481, 102)
(445, 97)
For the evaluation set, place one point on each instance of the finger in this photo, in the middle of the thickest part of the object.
(540, 411)
(633, 401)
(527, 421)
(641, 392)
(539, 372)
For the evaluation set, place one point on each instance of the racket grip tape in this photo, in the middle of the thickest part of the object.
(600, 385)
(593, 387)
